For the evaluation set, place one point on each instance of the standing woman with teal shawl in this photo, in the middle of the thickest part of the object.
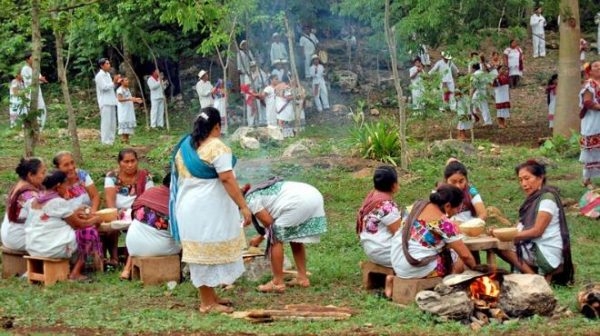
(205, 205)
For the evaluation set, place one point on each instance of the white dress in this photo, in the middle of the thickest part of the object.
(513, 56)
(145, 241)
(16, 107)
(376, 239)
(463, 110)
(47, 234)
(416, 87)
(480, 95)
(209, 222)
(125, 113)
(27, 74)
(13, 234)
(590, 134)
(297, 209)
(284, 108)
(124, 200)
(269, 92)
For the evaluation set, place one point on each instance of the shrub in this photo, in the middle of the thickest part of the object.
(378, 141)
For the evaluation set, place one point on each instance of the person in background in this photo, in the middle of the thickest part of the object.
(465, 116)
(416, 84)
(148, 235)
(501, 86)
(205, 90)
(31, 172)
(279, 70)
(446, 68)
(309, 44)
(205, 205)
(219, 101)
(379, 216)
(551, 99)
(268, 94)
(278, 50)
(290, 212)
(122, 186)
(244, 59)
(27, 74)
(496, 61)
(538, 38)
(320, 93)
(284, 105)
(125, 110)
(299, 94)
(16, 104)
(513, 58)
(583, 47)
(456, 174)
(51, 224)
(259, 80)
(543, 243)
(589, 102)
(80, 191)
(107, 101)
(480, 82)
(157, 99)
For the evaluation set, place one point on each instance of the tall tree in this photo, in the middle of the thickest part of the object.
(30, 123)
(565, 119)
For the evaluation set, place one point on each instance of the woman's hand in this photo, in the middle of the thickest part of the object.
(247, 216)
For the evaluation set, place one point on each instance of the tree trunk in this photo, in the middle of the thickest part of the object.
(30, 123)
(129, 72)
(390, 37)
(64, 85)
(569, 77)
(295, 77)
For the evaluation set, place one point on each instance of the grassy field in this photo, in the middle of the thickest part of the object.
(109, 306)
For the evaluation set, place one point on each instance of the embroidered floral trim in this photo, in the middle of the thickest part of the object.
(313, 226)
(590, 142)
(213, 149)
(152, 218)
(269, 191)
(213, 253)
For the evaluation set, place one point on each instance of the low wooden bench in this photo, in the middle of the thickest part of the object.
(373, 275)
(156, 270)
(405, 290)
(13, 263)
(46, 270)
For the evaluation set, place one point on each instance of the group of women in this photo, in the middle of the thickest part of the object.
(426, 241)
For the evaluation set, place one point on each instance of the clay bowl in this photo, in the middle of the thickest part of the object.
(473, 228)
(107, 215)
(505, 234)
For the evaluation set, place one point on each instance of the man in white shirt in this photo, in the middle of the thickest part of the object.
(107, 101)
(27, 74)
(244, 58)
(157, 99)
(320, 93)
(308, 42)
(448, 70)
(278, 51)
(204, 89)
(537, 23)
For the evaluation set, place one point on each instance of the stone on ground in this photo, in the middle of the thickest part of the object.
(524, 295)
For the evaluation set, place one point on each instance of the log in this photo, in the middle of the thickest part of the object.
(316, 308)
(293, 315)
(481, 316)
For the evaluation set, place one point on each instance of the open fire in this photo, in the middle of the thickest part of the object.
(485, 288)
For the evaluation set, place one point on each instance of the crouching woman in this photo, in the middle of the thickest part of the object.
(428, 244)
(543, 244)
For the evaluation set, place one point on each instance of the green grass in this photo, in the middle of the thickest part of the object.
(109, 306)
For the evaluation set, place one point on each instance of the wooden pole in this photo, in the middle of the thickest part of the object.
(295, 77)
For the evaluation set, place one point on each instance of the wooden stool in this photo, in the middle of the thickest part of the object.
(13, 263)
(156, 270)
(405, 290)
(46, 270)
(373, 275)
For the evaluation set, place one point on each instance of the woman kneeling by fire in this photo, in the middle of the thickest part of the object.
(542, 243)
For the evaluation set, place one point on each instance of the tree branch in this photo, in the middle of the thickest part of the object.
(68, 8)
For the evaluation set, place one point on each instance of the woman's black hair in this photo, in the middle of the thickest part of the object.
(124, 152)
(384, 178)
(56, 159)
(534, 167)
(454, 167)
(552, 78)
(475, 66)
(28, 166)
(167, 180)
(101, 61)
(446, 193)
(53, 179)
(208, 118)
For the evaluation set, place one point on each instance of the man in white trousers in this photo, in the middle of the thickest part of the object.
(538, 37)
(157, 99)
(107, 101)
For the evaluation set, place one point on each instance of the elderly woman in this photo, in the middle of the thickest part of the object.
(379, 217)
(205, 203)
(291, 212)
(52, 220)
(543, 243)
(148, 235)
(428, 244)
(472, 205)
(81, 191)
(122, 187)
(31, 172)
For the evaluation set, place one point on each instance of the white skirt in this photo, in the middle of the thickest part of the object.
(145, 241)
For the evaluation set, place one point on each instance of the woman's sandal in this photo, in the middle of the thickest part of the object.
(295, 282)
(271, 287)
(216, 308)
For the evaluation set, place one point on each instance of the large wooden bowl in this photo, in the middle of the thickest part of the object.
(107, 215)
(505, 234)
(473, 228)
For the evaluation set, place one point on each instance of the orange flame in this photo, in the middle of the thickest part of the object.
(486, 288)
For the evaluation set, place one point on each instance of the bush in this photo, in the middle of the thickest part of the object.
(560, 146)
(378, 141)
